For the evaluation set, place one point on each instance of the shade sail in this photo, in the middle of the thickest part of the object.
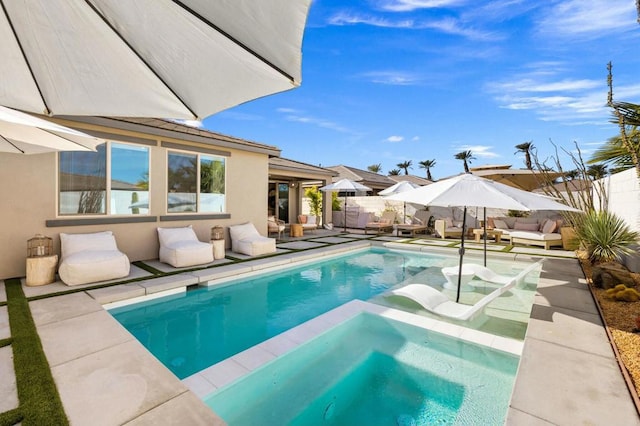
(22, 133)
(147, 58)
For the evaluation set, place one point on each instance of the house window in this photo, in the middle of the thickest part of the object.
(114, 180)
(196, 183)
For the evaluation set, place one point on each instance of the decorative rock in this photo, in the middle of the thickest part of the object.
(608, 275)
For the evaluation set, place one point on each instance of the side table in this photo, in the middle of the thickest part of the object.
(296, 230)
(218, 249)
(41, 270)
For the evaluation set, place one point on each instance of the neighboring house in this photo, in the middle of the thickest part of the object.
(287, 182)
(411, 178)
(151, 173)
(374, 181)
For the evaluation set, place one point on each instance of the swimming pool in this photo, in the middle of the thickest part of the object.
(191, 331)
(375, 371)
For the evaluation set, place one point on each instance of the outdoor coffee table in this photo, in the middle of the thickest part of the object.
(491, 233)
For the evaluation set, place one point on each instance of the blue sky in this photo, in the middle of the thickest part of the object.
(385, 81)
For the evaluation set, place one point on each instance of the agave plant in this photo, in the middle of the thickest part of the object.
(605, 236)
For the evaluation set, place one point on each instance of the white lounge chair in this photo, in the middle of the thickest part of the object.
(438, 303)
(246, 239)
(180, 247)
(89, 258)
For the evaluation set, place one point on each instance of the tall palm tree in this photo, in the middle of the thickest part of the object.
(405, 165)
(394, 172)
(466, 157)
(427, 164)
(375, 168)
(526, 148)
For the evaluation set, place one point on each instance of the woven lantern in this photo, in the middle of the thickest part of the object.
(217, 233)
(39, 246)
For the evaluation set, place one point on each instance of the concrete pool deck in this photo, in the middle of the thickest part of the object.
(568, 373)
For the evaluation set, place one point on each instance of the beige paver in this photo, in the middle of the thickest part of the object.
(8, 390)
(60, 308)
(185, 409)
(157, 285)
(5, 331)
(117, 293)
(114, 385)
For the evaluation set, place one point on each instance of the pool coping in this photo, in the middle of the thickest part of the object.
(564, 346)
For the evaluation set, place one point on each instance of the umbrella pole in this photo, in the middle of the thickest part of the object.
(345, 213)
(461, 251)
(484, 224)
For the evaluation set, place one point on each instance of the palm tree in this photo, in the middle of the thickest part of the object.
(526, 148)
(427, 164)
(375, 168)
(405, 165)
(465, 156)
(597, 171)
(615, 154)
(394, 172)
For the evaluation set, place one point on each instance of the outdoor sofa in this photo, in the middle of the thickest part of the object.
(447, 228)
(543, 232)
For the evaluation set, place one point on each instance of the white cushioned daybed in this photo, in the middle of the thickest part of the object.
(89, 258)
(180, 247)
(530, 231)
(246, 239)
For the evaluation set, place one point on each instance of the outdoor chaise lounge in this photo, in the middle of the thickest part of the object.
(439, 303)
(385, 224)
(180, 247)
(246, 239)
(88, 258)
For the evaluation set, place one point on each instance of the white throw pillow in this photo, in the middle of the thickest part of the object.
(500, 224)
(311, 220)
(549, 226)
(448, 222)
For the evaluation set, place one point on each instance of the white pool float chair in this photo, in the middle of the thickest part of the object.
(439, 303)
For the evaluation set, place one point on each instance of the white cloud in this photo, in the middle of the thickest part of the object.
(558, 99)
(315, 121)
(415, 138)
(451, 26)
(394, 78)
(287, 110)
(478, 151)
(589, 18)
(410, 5)
(190, 123)
(395, 138)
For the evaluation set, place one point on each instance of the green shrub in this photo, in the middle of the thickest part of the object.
(315, 200)
(605, 236)
(336, 206)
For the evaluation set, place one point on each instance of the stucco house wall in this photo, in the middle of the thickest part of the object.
(29, 194)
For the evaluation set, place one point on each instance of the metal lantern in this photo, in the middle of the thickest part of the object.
(217, 233)
(39, 246)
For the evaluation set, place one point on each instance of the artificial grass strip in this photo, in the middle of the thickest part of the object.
(5, 342)
(40, 402)
(11, 417)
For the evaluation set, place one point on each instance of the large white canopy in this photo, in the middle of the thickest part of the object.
(147, 58)
(472, 191)
(22, 133)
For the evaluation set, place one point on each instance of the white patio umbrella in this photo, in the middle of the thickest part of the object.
(22, 133)
(147, 58)
(468, 190)
(346, 186)
(397, 188)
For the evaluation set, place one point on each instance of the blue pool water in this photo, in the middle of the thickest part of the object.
(191, 331)
(374, 371)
